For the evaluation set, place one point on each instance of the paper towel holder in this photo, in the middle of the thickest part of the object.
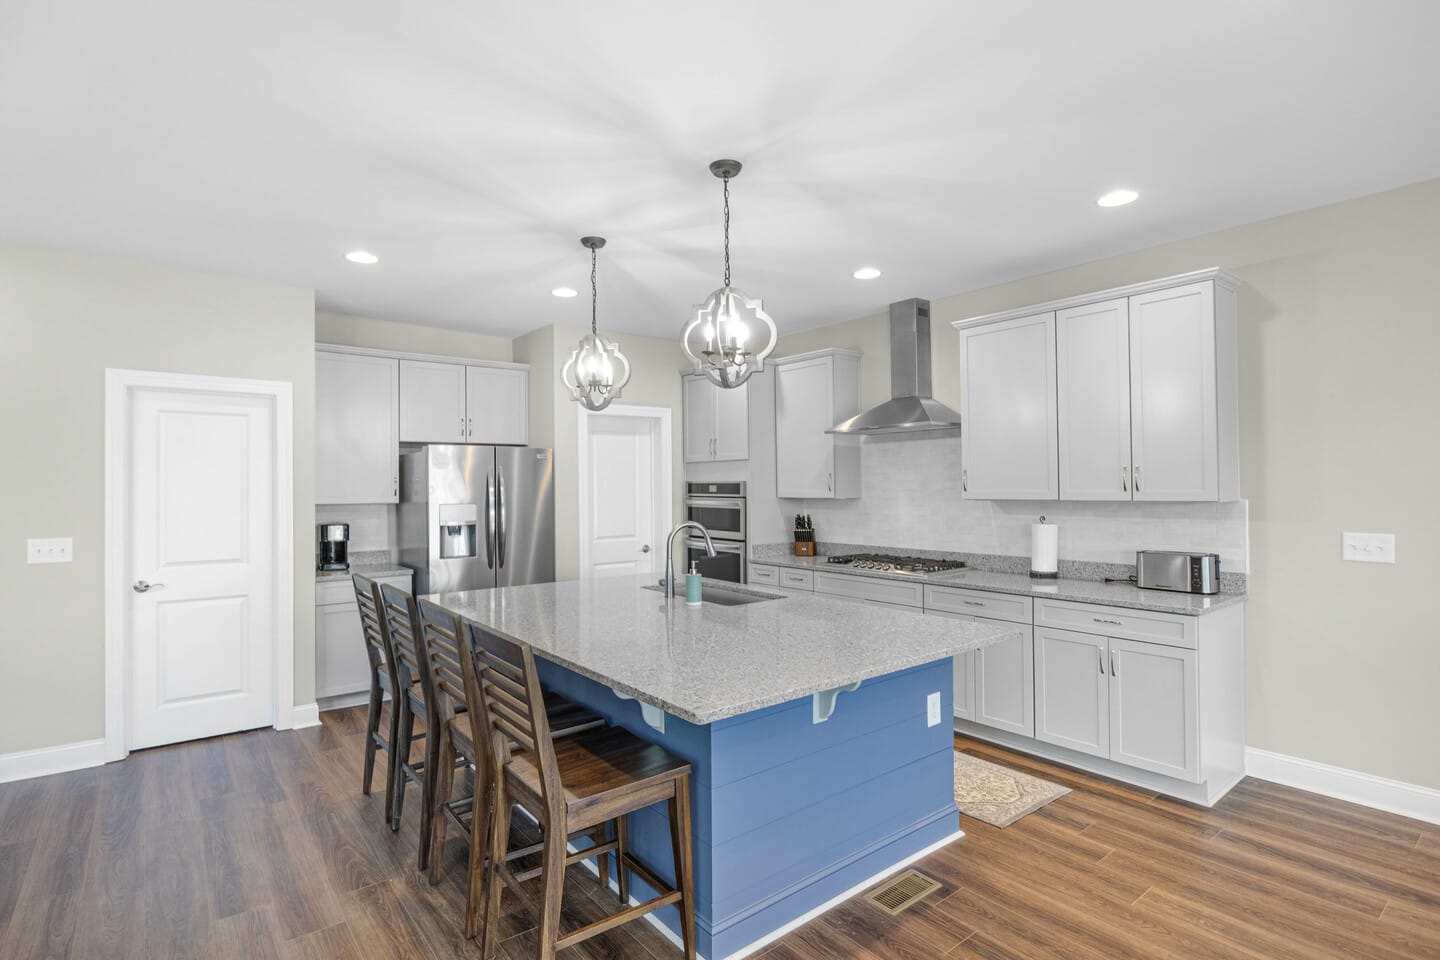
(1050, 551)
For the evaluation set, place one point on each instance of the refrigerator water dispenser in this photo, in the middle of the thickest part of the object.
(458, 522)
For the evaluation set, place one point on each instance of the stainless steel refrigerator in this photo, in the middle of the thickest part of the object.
(473, 517)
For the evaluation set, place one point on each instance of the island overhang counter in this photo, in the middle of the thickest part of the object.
(818, 730)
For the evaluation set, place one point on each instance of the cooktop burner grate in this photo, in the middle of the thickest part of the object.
(892, 563)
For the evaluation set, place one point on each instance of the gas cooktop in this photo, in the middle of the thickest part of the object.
(890, 563)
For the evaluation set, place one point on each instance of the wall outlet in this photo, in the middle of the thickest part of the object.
(932, 709)
(52, 550)
(1368, 547)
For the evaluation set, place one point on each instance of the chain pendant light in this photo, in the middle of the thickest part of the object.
(730, 334)
(597, 370)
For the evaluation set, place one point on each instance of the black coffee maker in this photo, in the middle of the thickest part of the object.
(334, 546)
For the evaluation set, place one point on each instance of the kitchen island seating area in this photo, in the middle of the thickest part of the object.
(515, 746)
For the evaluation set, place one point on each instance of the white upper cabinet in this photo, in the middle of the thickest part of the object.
(357, 457)
(716, 420)
(459, 403)
(432, 402)
(1144, 395)
(1093, 377)
(813, 392)
(497, 405)
(1008, 444)
(1173, 412)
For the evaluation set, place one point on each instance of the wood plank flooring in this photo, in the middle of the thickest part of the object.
(260, 845)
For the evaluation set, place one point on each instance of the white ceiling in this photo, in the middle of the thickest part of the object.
(952, 144)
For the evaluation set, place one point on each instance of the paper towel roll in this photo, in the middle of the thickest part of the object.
(1044, 550)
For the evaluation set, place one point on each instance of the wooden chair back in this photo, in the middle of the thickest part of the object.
(440, 632)
(402, 627)
(514, 706)
(372, 625)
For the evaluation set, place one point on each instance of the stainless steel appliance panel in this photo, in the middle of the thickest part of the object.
(718, 507)
(457, 475)
(524, 515)
(1177, 571)
(727, 564)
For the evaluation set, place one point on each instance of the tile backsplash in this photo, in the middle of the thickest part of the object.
(372, 525)
(911, 498)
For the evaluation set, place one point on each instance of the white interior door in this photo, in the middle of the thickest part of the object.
(202, 564)
(620, 486)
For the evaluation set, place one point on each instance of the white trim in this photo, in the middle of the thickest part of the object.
(799, 921)
(1221, 277)
(813, 354)
(664, 469)
(426, 357)
(1392, 796)
(25, 764)
(304, 715)
(119, 387)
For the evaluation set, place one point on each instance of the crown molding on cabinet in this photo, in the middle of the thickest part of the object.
(427, 357)
(812, 354)
(1225, 279)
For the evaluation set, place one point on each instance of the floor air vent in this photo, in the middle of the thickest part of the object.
(902, 892)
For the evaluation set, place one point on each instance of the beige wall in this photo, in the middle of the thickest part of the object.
(1339, 390)
(358, 331)
(654, 381)
(65, 318)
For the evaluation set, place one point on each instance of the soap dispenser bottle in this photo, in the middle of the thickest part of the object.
(692, 584)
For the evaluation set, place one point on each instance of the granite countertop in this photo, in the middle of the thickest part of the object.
(371, 570)
(711, 662)
(1081, 591)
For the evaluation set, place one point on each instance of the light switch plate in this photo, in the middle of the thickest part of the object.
(51, 550)
(1368, 547)
(932, 709)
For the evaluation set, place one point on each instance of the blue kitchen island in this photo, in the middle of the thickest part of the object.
(819, 730)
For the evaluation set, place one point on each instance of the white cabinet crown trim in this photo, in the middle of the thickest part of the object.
(429, 357)
(1221, 277)
(813, 354)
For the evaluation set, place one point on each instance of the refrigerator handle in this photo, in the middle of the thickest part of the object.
(490, 521)
(500, 512)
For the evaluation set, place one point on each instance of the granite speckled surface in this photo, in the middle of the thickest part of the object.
(1021, 584)
(367, 563)
(711, 662)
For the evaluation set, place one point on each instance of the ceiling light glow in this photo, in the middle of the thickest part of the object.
(566, 292)
(1118, 198)
(866, 273)
(362, 256)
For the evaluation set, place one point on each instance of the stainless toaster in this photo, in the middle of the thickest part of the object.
(1172, 570)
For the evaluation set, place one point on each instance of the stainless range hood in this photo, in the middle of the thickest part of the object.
(911, 408)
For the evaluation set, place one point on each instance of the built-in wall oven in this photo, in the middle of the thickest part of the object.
(718, 506)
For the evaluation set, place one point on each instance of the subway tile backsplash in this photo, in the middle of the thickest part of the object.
(911, 498)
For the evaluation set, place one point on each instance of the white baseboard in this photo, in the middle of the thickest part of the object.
(25, 764)
(1392, 796)
(304, 715)
(343, 701)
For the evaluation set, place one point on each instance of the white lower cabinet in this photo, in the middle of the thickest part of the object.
(995, 685)
(342, 667)
(1072, 691)
(1155, 708)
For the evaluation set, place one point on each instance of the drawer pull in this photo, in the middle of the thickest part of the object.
(1118, 623)
(973, 603)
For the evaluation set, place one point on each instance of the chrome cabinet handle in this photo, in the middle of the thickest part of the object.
(1137, 476)
(964, 481)
(973, 603)
(830, 482)
(490, 521)
(1112, 664)
(1100, 655)
(462, 428)
(143, 586)
(469, 427)
(1125, 478)
(1118, 623)
(396, 491)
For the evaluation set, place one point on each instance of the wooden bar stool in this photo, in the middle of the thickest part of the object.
(382, 683)
(454, 743)
(569, 785)
(402, 628)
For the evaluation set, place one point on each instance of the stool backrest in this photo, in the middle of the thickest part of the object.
(513, 704)
(440, 632)
(402, 626)
(372, 625)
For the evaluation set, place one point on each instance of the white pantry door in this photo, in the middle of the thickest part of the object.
(202, 565)
(620, 490)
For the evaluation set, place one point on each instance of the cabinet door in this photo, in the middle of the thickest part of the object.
(1092, 347)
(1155, 708)
(1008, 447)
(1173, 416)
(804, 452)
(1005, 684)
(357, 443)
(732, 423)
(1072, 691)
(432, 402)
(497, 405)
(341, 664)
(965, 686)
(698, 413)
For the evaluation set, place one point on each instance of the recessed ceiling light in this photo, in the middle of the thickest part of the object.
(563, 292)
(362, 256)
(866, 273)
(1118, 198)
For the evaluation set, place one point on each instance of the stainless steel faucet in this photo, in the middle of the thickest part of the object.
(669, 582)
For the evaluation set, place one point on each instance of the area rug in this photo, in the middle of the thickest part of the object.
(998, 795)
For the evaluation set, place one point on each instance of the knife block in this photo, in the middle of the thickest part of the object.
(804, 543)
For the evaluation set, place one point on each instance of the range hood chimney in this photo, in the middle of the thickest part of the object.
(911, 408)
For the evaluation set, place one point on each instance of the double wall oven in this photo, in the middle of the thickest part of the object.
(720, 508)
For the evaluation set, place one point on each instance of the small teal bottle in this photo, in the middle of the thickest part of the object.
(692, 584)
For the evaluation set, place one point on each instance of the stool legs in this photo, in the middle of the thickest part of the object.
(684, 868)
(372, 728)
(440, 779)
(622, 845)
(500, 843)
(553, 876)
(390, 816)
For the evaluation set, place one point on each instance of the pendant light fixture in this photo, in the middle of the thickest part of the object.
(597, 370)
(730, 334)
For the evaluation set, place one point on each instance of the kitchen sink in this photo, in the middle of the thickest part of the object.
(720, 596)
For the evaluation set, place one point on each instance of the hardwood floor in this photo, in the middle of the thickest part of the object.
(260, 845)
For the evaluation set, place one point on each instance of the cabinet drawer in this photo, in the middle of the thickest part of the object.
(343, 591)
(992, 606)
(1167, 628)
(792, 579)
(870, 588)
(760, 573)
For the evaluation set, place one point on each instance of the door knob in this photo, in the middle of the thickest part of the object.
(143, 586)
(645, 549)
